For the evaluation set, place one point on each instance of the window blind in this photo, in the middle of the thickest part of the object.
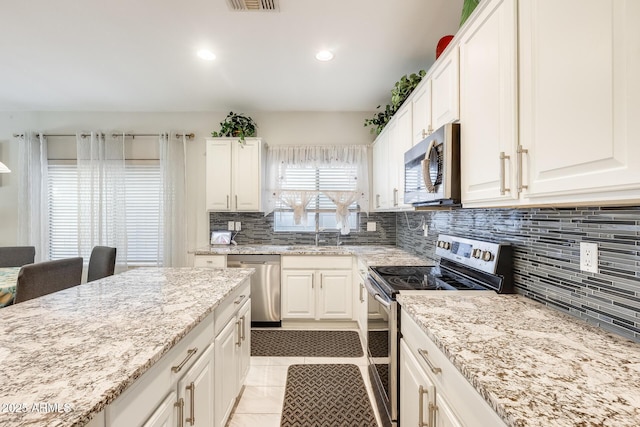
(143, 192)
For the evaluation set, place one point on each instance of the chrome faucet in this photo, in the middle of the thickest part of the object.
(317, 234)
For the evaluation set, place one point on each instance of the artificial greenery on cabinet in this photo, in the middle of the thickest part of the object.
(237, 125)
(400, 92)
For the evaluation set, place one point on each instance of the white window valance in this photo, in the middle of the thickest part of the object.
(283, 162)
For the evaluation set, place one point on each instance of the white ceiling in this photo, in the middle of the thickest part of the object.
(140, 55)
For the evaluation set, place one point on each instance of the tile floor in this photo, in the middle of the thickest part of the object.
(261, 401)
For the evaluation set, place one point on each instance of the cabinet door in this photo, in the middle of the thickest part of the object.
(226, 372)
(417, 391)
(298, 300)
(196, 389)
(381, 171)
(218, 185)
(247, 176)
(335, 295)
(445, 96)
(421, 111)
(580, 98)
(166, 414)
(244, 316)
(488, 107)
(397, 148)
(444, 415)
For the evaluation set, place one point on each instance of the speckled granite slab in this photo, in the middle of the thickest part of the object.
(370, 255)
(81, 347)
(535, 366)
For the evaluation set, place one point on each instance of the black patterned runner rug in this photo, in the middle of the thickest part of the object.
(326, 396)
(299, 343)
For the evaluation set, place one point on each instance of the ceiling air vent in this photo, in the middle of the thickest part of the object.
(265, 5)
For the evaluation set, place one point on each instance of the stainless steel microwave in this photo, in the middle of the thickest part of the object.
(432, 169)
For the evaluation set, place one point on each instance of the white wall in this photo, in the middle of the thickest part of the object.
(281, 128)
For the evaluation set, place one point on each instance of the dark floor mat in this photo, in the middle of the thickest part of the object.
(379, 343)
(293, 343)
(326, 396)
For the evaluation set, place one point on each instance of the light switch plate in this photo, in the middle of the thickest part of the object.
(589, 257)
(230, 226)
(238, 226)
(371, 226)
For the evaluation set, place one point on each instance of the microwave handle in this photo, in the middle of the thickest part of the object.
(426, 177)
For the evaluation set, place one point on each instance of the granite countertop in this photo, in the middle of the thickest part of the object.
(82, 347)
(535, 366)
(370, 255)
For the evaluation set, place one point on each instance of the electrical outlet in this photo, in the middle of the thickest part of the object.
(589, 257)
(425, 230)
(371, 226)
(238, 226)
(231, 226)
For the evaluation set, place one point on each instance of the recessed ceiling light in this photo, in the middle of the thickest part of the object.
(324, 55)
(207, 55)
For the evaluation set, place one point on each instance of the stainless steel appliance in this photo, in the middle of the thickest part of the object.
(432, 169)
(265, 287)
(464, 265)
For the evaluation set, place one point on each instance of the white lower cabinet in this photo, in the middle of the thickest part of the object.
(232, 352)
(165, 415)
(195, 392)
(317, 287)
(433, 393)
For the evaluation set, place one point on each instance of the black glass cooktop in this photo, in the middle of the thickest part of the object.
(395, 279)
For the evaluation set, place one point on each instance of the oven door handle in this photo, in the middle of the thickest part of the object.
(378, 298)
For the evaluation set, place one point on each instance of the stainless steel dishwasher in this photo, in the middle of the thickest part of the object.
(265, 287)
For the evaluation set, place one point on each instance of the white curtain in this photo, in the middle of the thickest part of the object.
(342, 200)
(280, 157)
(33, 207)
(101, 195)
(173, 167)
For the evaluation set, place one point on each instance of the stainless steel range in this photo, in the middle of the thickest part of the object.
(464, 265)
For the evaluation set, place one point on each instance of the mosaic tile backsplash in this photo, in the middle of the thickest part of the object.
(258, 230)
(547, 255)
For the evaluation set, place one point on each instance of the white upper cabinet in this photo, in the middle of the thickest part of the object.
(445, 95)
(580, 99)
(402, 142)
(488, 107)
(553, 118)
(421, 111)
(381, 171)
(234, 174)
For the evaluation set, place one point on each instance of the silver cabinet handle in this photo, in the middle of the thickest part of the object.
(377, 200)
(239, 300)
(421, 423)
(192, 388)
(521, 151)
(242, 319)
(395, 197)
(321, 279)
(424, 134)
(190, 354)
(503, 189)
(180, 405)
(236, 202)
(425, 356)
(312, 280)
(227, 201)
(361, 289)
(239, 343)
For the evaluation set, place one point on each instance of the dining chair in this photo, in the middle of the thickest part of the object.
(17, 256)
(102, 263)
(43, 278)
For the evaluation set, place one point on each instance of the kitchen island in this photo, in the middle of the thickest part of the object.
(68, 355)
(533, 365)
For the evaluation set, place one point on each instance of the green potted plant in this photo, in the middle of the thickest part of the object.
(400, 92)
(236, 125)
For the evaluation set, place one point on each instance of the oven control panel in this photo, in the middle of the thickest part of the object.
(477, 254)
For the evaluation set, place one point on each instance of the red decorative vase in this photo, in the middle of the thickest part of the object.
(442, 45)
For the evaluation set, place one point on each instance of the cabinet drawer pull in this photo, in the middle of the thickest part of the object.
(520, 152)
(239, 300)
(192, 419)
(503, 189)
(421, 423)
(190, 354)
(425, 356)
(180, 405)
